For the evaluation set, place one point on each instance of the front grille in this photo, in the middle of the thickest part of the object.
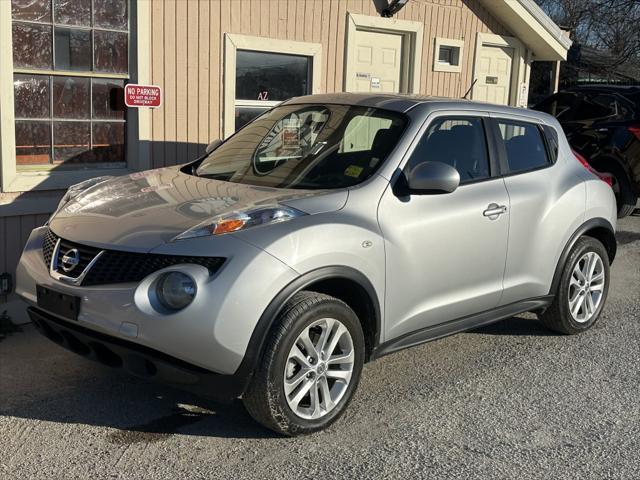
(115, 266)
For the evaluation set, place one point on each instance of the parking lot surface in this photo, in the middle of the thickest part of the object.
(506, 401)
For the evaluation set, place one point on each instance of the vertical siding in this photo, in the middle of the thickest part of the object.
(188, 54)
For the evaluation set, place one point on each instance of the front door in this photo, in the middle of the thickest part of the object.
(377, 66)
(493, 74)
(445, 253)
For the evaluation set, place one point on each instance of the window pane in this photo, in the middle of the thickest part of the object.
(445, 55)
(31, 96)
(108, 142)
(459, 142)
(271, 76)
(71, 97)
(73, 49)
(71, 142)
(361, 133)
(110, 14)
(33, 143)
(524, 146)
(108, 99)
(111, 52)
(34, 10)
(72, 12)
(245, 114)
(31, 46)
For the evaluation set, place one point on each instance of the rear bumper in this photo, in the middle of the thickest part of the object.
(137, 359)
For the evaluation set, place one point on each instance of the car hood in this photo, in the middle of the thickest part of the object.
(143, 210)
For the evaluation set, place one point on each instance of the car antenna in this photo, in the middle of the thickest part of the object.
(470, 88)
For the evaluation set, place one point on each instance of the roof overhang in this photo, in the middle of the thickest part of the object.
(532, 26)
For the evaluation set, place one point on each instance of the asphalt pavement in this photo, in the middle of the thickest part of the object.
(506, 401)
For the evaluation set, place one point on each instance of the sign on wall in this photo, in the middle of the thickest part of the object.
(137, 96)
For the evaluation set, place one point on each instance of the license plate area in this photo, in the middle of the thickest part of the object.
(66, 306)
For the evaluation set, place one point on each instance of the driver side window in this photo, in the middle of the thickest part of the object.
(457, 141)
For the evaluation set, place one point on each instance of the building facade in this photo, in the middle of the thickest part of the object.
(64, 64)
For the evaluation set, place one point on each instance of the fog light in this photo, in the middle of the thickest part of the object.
(175, 290)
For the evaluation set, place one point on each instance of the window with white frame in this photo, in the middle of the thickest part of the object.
(262, 72)
(447, 55)
(70, 64)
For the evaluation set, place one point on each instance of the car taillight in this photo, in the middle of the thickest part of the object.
(635, 130)
(605, 177)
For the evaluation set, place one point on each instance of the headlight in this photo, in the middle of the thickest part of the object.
(175, 290)
(237, 221)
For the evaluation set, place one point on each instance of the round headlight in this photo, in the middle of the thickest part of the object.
(175, 290)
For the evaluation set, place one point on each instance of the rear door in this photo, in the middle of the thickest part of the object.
(445, 254)
(544, 201)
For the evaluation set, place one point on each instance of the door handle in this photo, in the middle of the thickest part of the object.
(494, 210)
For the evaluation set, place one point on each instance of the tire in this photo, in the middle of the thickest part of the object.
(266, 399)
(559, 317)
(622, 188)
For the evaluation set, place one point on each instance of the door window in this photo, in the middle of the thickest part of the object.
(459, 142)
(524, 146)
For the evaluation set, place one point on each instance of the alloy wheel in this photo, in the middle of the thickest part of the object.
(319, 368)
(586, 287)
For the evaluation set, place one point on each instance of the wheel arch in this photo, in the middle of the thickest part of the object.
(598, 228)
(344, 283)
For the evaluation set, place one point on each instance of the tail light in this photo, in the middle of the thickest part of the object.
(635, 130)
(605, 177)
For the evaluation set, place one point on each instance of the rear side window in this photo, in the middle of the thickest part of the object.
(524, 146)
(456, 141)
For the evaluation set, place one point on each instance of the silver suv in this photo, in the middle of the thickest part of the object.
(330, 231)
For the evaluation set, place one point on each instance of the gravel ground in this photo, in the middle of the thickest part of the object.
(509, 400)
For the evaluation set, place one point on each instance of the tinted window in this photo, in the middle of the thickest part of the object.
(558, 105)
(459, 142)
(307, 146)
(524, 145)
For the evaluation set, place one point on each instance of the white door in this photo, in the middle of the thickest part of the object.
(377, 66)
(493, 72)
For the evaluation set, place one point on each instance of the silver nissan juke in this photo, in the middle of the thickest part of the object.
(330, 231)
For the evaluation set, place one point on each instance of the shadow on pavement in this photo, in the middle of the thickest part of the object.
(41, 381)
(516, 326)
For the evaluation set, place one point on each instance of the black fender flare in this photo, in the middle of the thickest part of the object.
(255, 347)
(581, 230)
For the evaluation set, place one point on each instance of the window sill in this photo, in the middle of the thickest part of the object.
(47, 180)
(447, 67)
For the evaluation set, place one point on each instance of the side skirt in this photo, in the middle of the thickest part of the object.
(461, 324)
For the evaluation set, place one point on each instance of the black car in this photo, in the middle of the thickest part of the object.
(602, 123)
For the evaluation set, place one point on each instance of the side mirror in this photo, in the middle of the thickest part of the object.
(433, 178)
(212, 146)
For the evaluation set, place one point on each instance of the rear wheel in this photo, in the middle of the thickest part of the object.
(582, 290)
(310, 368)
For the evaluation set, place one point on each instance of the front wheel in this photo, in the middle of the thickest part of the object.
(310, 368)
(582, 290)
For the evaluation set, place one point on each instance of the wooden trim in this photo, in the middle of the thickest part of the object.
(7, 125)
(519, 64)
(413, 33)
(71, 73)
(233, 42)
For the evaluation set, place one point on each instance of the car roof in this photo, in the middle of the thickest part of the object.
(623, 89)
(404, 102)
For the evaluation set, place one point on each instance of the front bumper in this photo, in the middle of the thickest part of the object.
(136, 359)
(212, 333)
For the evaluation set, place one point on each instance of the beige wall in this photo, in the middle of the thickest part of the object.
(187, 54)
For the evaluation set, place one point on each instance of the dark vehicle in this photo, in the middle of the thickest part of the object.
(602, 123)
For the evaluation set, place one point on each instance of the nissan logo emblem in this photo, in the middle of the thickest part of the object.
(70, 260)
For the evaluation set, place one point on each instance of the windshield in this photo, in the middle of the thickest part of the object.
(307, 146)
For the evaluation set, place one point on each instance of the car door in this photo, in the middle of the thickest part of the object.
(445, 253)
(545, 204)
